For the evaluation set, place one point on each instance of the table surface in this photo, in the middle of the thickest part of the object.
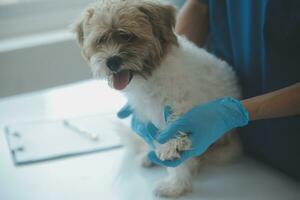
(112, 175)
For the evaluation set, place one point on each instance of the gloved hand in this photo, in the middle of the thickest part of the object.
(146, 131)
(204, 124)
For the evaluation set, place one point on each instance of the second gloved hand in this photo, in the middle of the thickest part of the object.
(204, 124)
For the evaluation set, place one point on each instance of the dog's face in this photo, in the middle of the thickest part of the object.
(125, 38)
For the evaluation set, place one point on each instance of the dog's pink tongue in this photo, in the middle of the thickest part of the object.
(121, 80)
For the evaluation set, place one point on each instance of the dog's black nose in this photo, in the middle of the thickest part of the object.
(114, 63)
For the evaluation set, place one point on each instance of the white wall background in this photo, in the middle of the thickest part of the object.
(39, 66)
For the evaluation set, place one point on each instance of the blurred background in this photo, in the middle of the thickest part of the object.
(37, 48)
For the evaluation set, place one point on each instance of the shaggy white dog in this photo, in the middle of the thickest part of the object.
(133, 45)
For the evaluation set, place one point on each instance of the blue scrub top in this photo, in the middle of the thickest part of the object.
(261, 40)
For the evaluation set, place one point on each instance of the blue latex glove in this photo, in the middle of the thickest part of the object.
(125, 111)
(204, 124)
(147, 131)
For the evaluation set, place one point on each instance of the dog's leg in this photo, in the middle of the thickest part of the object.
(171, 150)
(178, 182)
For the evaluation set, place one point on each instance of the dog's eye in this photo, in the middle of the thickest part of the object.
(100, 40)
(127, 37)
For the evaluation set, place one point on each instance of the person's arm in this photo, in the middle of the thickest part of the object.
(280, 103)
(192, 21)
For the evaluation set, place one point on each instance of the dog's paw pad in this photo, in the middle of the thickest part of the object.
(172, 149)
(166, 153)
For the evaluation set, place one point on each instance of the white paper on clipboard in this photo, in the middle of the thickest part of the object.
(48, 140)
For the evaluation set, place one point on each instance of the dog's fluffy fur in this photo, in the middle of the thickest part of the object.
(165, 69)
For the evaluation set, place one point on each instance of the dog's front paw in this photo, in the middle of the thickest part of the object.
(172, 188)
(171, 149)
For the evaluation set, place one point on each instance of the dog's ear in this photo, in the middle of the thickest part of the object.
(78, 26)
(162, 18)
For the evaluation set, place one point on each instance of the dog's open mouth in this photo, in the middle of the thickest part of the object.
(120, 79)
